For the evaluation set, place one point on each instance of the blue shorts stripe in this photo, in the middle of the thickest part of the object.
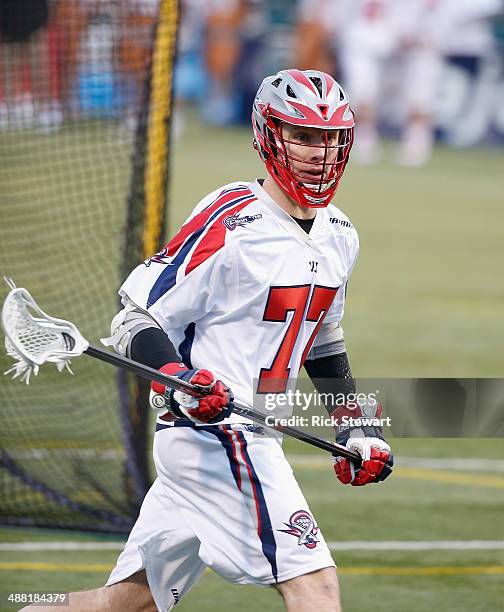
(228, 447)
(266, 534)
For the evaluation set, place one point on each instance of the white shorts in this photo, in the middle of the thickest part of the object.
(225, 498)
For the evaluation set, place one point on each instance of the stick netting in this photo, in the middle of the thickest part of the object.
(75, 96)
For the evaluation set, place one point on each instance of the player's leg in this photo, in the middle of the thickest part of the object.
(420, 83)
(253, 521)
(158, 565)
(317, 590)
(363, 75)
(131, 594)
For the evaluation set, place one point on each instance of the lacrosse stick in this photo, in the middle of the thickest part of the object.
(32, 337)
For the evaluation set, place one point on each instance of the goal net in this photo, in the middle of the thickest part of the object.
(85, 101)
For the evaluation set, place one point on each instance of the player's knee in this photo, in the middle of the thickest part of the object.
(319, 588)
(133, 593)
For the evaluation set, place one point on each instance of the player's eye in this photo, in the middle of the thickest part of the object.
(301, 137)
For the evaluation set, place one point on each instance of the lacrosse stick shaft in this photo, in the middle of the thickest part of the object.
(180, 385)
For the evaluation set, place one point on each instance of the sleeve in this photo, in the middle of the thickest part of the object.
(176, 294)
(193, 274)
(351, 252)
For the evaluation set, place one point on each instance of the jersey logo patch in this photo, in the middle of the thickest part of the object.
(160, 257)
(302, 525)
(342, 222)
(234, 221)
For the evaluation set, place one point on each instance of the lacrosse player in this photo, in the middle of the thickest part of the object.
(251, 288)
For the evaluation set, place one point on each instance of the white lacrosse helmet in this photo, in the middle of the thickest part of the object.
(308, 98)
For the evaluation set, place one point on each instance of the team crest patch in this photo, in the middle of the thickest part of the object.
(160, 257)
(302, 525)
(234, 221)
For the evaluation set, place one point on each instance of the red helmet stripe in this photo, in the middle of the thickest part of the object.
(314, 119)
(329, 82)
(298, 76)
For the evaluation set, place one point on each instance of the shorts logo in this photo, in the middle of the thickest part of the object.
(302, 525)
(176, 596)
(234, 221)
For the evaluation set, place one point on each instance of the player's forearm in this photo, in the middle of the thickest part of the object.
(153, 348)
(332, 376)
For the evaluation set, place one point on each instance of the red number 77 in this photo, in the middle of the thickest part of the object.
(281, 301)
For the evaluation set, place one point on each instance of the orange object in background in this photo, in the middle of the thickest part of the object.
(223, 42)
(312, 47)
(136, 40)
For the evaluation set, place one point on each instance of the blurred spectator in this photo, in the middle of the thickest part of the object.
(29, 93)
(222, 52)
(190, 76)
(71, 20)
(137, 19)
(384, 38)
(473, 69)
(316, 35)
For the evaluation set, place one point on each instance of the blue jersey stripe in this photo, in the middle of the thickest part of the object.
(225, 193)
(186, 344)
(168, 278)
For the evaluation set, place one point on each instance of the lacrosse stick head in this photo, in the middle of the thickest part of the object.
(32, 337)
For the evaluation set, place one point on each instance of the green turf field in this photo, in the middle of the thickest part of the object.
(425, 300)
(416, 504)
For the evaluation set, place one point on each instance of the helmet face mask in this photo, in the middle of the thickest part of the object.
(303, 131)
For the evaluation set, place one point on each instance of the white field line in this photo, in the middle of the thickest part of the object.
(415, 545)
(85, 454)
(426, 463)
(34, 546)
(356, 545)
(307, 461)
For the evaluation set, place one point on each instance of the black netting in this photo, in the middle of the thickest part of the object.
(75, 106)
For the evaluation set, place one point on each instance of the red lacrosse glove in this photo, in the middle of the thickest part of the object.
(377, 462)
(367, 440)
(211, 408)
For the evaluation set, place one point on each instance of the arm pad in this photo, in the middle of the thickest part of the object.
(331, 375)
(153, 348)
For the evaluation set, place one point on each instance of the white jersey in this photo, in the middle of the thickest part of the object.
(243, 291)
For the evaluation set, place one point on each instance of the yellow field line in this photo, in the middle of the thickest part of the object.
(422, 571)
(449, 477)
(345, 571)
(445, 476)
(57, 567)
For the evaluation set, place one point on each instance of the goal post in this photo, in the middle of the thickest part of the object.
(85, 108)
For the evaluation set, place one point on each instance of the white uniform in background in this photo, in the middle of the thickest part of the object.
(389, 43)
(241, 290)
(462, 27)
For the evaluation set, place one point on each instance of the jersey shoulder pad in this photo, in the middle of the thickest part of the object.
(225, 192)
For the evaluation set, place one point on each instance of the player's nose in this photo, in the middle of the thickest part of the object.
(317, 153)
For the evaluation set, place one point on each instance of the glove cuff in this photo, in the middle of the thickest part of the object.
(172, 369)
(357, 422)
